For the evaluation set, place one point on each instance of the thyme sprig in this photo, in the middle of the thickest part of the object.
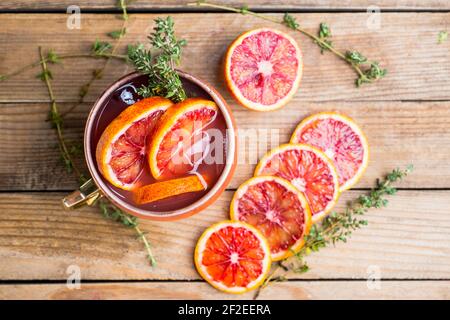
(367, 71)
(442, 36)
(55, 118)
(99, 50)
(338, 227)
(160, 68)
(106, 50)
(110, 211)
(58, 58)
(68, 151)
(324, 34)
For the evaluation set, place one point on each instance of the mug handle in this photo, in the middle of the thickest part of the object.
(88, 193)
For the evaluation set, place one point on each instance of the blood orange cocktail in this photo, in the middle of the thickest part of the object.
(209, 166)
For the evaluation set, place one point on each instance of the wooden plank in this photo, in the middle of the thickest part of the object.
(406, 44)
(254, 4)
(38, 240)
(398, 133)
(304, 290)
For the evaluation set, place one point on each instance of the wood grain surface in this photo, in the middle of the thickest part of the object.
(328, 290)
(406, 44)
(254, 4)
(399, 133)
(405, 116)
(408, 240)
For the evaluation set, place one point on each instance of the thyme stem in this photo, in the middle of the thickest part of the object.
(55, 115)
(99, 51)
(363, 76)
(338, 227)
(61, 57)
(147, 246)
(96, 74)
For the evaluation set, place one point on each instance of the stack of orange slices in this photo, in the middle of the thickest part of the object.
(295, 186)
(156, 133)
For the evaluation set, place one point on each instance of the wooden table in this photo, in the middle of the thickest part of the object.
(406, 117)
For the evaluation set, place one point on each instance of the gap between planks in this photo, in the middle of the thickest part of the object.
(398, 134)
(196, 290)
(259, 5)
(405, 44)
(38, 241)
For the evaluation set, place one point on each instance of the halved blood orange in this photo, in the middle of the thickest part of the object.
(277, 209)
(232, 256)
(122, 146)
(178, 143)
(309, 170)
(340, 138)
(263, 68)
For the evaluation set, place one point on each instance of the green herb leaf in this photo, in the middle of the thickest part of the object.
(97, 73)
(373, 73)
(100, 48)
(52, 57)
(163, 78)
(45, 74)
(324, 34)
(67, 164)
(442, 36)
(84, 89)
(55, 118)
(244, 9)
(322, 40)
(355, 57)
(290, 21)
(110, 211)
(338, 227)
(76, 149)
(324, 30)
(117, 34)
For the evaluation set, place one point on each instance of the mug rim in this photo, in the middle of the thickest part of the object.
(200, 204)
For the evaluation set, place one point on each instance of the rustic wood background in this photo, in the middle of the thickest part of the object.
(406, 117)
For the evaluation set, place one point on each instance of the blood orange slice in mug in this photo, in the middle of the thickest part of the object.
(180, 142)
(263, 68)
(277, 209)
(233, 257)
(340, 138)
(122, 147)
(309, 170)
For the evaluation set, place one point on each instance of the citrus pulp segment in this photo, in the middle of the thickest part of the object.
(232, 256)
(277, 209)
(309, 170)
(263, 69)
(122, 147)
(180, 142)
(340, 138)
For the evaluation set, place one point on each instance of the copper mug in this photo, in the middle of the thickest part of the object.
(97, 187)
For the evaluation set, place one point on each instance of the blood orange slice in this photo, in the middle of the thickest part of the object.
(122, 147)
(180, 142)
(169, 188)
(277, 209)
(340, 138)
(233, 257)
(309, 170)
(263, 68)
